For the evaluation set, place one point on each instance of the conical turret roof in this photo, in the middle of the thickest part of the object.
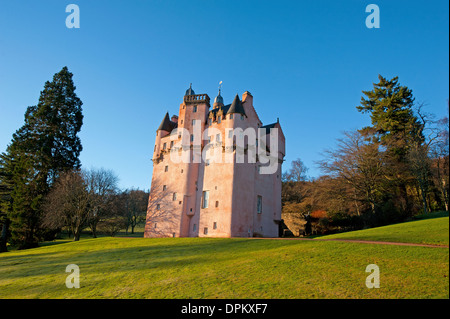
(166, 124)
(236, 106)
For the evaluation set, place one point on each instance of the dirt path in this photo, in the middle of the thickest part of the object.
(366, 242)
(385, 243)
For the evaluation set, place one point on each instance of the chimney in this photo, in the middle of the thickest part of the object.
(247, 96)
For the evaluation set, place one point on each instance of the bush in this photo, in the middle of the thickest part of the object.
(112, 226)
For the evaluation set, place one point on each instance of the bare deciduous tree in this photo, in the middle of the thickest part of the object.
(439, 152)
(67, 204)
(135, 207)
(359, 162)
(102, 186)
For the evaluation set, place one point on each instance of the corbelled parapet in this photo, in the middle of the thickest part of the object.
(197, 98)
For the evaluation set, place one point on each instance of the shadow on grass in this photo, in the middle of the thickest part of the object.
(166, 254)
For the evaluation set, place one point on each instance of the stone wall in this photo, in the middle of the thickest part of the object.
(294, 222)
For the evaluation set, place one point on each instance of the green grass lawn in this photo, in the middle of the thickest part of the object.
(227, 268)
(433, 231)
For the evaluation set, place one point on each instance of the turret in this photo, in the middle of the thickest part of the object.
(218, 101)
(163, 130)
(236, 106)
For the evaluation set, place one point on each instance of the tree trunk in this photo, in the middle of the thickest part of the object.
(424, 201)
(4, 236)
(94, 230)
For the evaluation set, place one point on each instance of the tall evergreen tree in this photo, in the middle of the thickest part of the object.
(391, 111)
(395, 125)
(43, 148)
(6, 187)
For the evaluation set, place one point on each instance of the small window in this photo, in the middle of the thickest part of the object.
(195, 108)
(174, 196)
(259, 205)
(205, 199)
(171, 144)
(217, 203)
(173, 235)
(242, 117)
(156, 224)
(166, 169)
(193, 122)
(218, 137)
(158, 206)
(164, 146)
(231, 116)
(181, 171)
(181, 121)
(192, 137)
(215, 225)
(205, 231)
(194, 228)
(164, 187)
(154, 149)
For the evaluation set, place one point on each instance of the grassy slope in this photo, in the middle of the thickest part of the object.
(427, 231)
(225, 268)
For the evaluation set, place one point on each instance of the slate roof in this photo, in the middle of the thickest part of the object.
(236, 106)
(190, 91)
(224, 109)
(268, 127)
(167, 124)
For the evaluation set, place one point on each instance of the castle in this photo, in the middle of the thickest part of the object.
(216, 172)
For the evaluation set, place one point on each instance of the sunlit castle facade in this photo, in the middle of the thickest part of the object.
(216, 171)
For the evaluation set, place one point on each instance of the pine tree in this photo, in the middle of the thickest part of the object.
(43, 148)
(391, 110)
(395, 125)
(6, 187)
(51, 128)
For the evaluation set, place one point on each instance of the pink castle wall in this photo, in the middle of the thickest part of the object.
(234, 186)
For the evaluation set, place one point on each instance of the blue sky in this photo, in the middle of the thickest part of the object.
(305, 62)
